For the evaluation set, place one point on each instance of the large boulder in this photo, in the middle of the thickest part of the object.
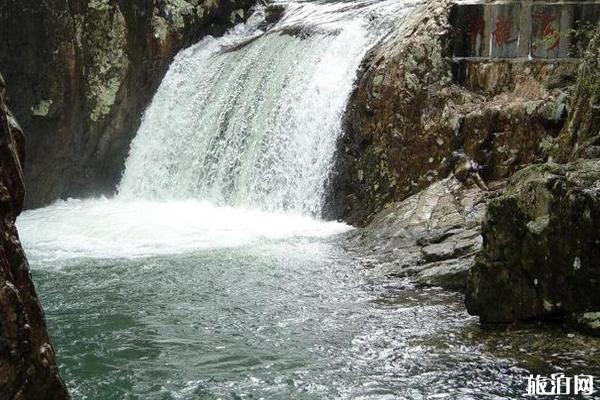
(81, 72)
(414, 106)
(431, 237)
(541, 247)
(28, 369)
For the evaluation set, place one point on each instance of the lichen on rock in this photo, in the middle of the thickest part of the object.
(415, 106)
(80, 74)
(540, 246)
(104, 46)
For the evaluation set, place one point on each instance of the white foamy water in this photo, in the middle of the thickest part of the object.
(256, 126)
(115, 228)
(237, 144)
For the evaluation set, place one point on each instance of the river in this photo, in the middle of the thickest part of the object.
(210, 275)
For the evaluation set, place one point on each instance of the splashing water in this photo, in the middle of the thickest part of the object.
(256, 126)
(241, 125)
(207, 277)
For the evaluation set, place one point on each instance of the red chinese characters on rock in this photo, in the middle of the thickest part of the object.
(551, 37)
(503, 31)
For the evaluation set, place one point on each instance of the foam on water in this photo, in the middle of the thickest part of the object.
(115, 228)
(165, 295)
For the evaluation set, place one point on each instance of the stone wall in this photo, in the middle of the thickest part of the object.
(522, 29)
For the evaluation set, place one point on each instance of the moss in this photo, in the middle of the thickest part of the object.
(540, 252)
(583, 123)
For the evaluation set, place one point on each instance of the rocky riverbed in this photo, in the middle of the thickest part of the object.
(409, 117)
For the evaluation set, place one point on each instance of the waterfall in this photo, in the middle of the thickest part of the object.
(236, 146)
(251, 119)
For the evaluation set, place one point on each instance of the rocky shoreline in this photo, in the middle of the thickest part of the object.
(432, 237)
(28, 368)
(524, 247)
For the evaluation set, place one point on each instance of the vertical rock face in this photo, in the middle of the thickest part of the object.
(580, 136)
(541, 246)
(80, 74)
(415, 106)
(27, 365)
(397, 99)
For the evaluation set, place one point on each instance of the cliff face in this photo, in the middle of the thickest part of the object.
(541, 239)
(580, 136)
(81, 72)
(397, 94)
(27, 366)
(414, 108)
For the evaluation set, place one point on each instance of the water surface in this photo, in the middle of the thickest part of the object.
(279, 318)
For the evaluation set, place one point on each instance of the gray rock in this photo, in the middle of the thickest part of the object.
(431, 236)
(413, 107)
(589, 322)
(541, 246)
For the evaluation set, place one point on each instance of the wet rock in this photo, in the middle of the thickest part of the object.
(273, 13)
(80, 74)
(414, 107)
(450, 274)
(588, 322)
(432, 236)
(580, 136)
(461, 243)
(28, 369)
(541, 246)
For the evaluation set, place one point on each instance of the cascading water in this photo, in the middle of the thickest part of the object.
(242, 131)
(251, 119)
